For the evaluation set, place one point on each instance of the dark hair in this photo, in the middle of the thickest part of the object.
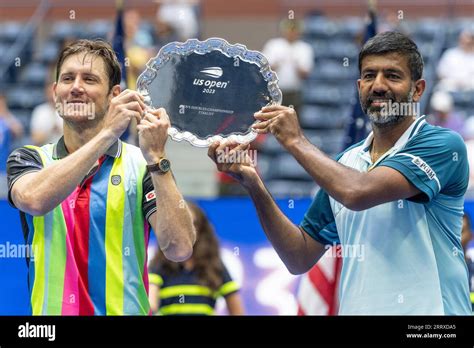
(394, 42)
(99, 48)
(206, 256)
(468, 219)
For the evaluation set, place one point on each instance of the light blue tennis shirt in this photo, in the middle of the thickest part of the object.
(402, 257)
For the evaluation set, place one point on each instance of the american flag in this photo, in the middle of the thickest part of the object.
(317, 292)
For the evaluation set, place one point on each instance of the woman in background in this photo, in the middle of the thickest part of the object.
(193, 286)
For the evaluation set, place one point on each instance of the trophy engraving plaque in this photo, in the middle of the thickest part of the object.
(210, 89)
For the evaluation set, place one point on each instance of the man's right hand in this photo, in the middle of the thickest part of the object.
(125, 106)
(234, 159)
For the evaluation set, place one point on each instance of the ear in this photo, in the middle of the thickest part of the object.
(420, 86)
(115, 91)
(55, 85)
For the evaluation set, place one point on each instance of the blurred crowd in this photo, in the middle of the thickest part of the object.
(289, 55)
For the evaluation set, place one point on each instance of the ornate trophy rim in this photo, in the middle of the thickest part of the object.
(202, 47)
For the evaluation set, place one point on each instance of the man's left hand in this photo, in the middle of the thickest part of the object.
(281, 121)
(153, 134)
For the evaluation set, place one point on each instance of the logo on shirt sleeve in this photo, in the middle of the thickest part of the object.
(150, 195)
(417, 161)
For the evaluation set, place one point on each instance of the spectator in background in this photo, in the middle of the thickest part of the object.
(466, 237)
(456, 66)
(177, 19)
(139, 49)
(292, 60)
(192, 287)
(388, 20)
(443, 114)
(135, 33)
(46, 126)
(10, 128)
(138, 45)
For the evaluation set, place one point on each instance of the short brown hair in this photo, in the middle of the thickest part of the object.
(99, 48)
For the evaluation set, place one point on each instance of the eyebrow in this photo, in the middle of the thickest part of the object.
(66, 73)
(389, 70)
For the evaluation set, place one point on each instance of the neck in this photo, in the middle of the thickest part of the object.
(76, 136)
(386, 137)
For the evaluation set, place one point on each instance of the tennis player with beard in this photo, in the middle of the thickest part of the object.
(396, 197)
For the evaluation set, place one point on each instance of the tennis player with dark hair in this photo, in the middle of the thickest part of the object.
(87, 202)
(397, 196)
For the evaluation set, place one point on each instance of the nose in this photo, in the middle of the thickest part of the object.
(77, 87)
(379, 86)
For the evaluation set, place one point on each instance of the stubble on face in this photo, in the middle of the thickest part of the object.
(86, 106)
(375, 113)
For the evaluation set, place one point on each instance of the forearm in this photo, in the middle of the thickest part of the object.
(40, 192)
(339, 181)
(290, 242)
(174, 228)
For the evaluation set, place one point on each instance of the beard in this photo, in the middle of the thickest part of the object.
(380, 117)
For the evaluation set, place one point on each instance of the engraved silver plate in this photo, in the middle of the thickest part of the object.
(210, 89)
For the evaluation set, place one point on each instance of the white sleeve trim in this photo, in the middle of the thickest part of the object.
(423, 166)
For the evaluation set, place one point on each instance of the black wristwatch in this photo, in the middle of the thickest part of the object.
(163, 166)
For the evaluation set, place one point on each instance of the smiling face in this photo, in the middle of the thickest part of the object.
(386, 78)
(82, 91)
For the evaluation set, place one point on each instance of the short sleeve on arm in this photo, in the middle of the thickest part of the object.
(434, 162)
(20, 162)
(229, 286)
(319, 222)
(154, 275)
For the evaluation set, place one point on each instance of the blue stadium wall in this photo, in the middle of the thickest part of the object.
(267, 287)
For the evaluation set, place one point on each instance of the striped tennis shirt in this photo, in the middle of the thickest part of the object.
(90, 252)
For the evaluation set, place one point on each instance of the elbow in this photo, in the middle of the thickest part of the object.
(180, 249)
(297, 269)
(179, 252)
(31, 205)
(37, 209)
(353, 200)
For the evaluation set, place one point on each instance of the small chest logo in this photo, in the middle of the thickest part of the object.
(116, 180)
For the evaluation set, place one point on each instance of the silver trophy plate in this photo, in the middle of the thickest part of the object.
(210, 89)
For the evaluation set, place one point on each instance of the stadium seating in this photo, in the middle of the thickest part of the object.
(330, 90)
(328, 94)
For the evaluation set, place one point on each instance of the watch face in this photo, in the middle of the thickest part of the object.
(164, 165)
